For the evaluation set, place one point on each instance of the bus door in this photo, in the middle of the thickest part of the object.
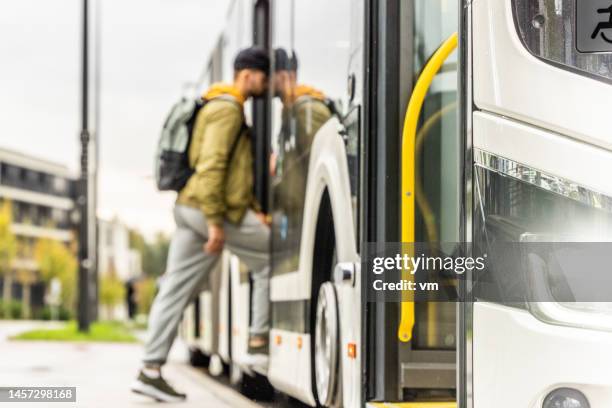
(537, 93)
(415, 363)
(427, 348)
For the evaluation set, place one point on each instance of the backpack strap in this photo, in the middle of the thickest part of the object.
(229, 98)
(235, 143)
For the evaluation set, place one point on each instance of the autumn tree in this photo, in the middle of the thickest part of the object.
(8, 250)
(145, 293)
(55, 260)
(112, 291)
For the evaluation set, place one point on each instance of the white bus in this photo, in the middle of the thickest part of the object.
(459, 121)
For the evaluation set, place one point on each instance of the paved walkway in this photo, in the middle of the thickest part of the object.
(102, 373)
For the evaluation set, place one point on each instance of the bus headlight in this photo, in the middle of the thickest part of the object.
(566, 398)
(550, 292)
(595, 316)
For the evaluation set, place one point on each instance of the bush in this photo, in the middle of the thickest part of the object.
(46, 313)
(64, 314)
(99, 331)
(11, 311)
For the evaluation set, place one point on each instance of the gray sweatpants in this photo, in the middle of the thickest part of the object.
(188, 268)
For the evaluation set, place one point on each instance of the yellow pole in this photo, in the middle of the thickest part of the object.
(413, 112)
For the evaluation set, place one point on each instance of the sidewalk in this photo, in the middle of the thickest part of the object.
(102, 373)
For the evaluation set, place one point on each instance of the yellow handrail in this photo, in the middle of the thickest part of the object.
(408, 171)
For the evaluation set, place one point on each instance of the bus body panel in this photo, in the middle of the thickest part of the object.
(205, 342)
(533, 358)
(187, 326)
(555, 121)
(328, 171)
(510, 81)
(561, 356)
(240, 306)
(223, 329)
(289, 366)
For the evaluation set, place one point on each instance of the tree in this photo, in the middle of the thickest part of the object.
(26, 278)
(153, 254)
(145, 293)
(112, 291)
(8, 249)
(159, 255)
(55, 260)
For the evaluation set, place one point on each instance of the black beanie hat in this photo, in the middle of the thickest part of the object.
(252, 58)
(282, 61)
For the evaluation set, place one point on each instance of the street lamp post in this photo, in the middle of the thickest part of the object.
(86, 198)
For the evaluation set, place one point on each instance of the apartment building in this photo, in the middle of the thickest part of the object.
(42, 196)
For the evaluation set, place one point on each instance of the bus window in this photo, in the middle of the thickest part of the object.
(311, 56)
(549, 30)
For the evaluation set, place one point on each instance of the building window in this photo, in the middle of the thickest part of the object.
(13, 174)
(109, 237)
(60, 185)
(59, 218)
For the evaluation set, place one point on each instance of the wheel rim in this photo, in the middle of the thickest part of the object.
(326, 344)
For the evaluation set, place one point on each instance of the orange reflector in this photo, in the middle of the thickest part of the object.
(300, 343)
(352, 350)
(278, 340)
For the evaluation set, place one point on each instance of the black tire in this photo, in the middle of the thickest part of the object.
(197, 358)
(235, 376)
(256, 388)
(327, 347)
(324, 260)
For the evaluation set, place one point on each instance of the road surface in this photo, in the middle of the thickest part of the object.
(101, 372)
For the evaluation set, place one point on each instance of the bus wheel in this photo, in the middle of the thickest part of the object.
(197, 358)
(235, 374)
(256, 387)
(327, 345)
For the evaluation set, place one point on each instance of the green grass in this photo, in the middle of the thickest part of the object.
(98, 331)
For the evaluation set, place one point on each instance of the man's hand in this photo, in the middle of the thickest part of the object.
(263, 218)
(216, 239)
(273, 164)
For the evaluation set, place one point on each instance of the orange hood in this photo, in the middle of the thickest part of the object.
(302, 90)
(220, 89)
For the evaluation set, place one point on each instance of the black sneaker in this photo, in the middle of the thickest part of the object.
(257, 356)
(261, 347)
(156, 388)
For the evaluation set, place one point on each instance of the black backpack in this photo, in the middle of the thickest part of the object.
(172, 169)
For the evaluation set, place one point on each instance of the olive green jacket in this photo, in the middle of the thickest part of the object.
(304, 118)
(220, 187)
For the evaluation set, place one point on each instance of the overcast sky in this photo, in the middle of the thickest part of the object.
(150, 48)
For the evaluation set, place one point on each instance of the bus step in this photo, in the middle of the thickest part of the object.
(451, 404)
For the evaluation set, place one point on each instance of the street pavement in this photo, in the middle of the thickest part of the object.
(101, 372)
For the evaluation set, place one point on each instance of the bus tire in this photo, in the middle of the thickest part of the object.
(327, 346)
(256, 387)
(197, 358)
(235, 375)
